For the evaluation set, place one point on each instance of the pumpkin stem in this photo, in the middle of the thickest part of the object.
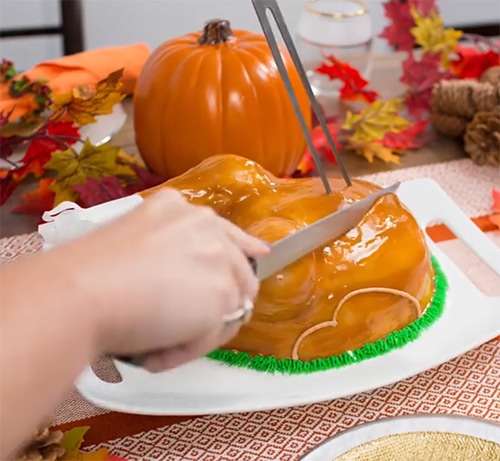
(216, 31)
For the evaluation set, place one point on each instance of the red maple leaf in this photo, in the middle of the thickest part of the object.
(56, 135)
(471, 62)
(37, 201)
(409, 138)
(7, 185)
(424, 7)
(397, 32)
(420, 76)
(354, 85)
(495, 194)
(145, 180)
(320, 142)
(96, 191)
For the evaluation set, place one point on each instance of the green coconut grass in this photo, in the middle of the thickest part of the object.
(380, 347)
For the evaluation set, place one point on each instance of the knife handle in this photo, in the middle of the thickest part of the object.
(138, 360)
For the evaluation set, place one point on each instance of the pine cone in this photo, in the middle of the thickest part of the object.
(482, 138)
(45, 445)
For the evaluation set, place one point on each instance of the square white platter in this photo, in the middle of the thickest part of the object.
(205, 386)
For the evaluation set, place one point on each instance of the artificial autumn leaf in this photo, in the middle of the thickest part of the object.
(424, 7)
(96, 191)
(322, 146)
(127, 159)
(5, 118)
(372, 150)
(495, 217)
(87, 101)
(373, 122)
(409, 138)
(305, 166)
(73, 439)
(72, 442)
(92, 162)
(420, 77)
(55, 136)
(7, 143)
(7, 185)
(144, 180)
(495, 195)
(431, 35)
(397, 32)
(320, 141)
(354, 85)
(38, 201)
(20, 128)
(471, 62)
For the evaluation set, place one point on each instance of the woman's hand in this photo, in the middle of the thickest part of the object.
(164, 275)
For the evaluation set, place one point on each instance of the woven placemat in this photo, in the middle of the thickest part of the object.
(468, 385)
(425, 446)
(468, 184)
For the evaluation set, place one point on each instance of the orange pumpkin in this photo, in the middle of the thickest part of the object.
(216, 92)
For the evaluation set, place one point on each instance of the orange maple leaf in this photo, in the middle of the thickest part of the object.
(37, 201)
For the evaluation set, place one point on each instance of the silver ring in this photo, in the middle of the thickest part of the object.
(242, 315)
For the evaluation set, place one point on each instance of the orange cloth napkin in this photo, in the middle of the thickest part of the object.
(87, 67)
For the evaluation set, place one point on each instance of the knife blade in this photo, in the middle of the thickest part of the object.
(298, 244)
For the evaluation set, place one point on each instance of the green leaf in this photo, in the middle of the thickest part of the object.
(73, 439)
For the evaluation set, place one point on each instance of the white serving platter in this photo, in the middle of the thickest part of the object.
(205, 386)
(368, 432)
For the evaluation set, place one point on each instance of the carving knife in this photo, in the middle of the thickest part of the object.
(302, 242)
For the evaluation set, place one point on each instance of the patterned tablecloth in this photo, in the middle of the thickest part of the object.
(468, 385)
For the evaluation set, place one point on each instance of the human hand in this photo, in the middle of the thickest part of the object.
(164, 275)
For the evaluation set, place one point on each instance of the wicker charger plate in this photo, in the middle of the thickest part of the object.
(414, 438)
(425, 446)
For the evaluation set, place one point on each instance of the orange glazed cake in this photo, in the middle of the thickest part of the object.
(355, 290)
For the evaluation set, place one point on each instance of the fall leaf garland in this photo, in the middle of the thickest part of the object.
(385, 130)
(67, 166)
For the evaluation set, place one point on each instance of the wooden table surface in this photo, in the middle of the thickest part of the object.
(384, 78)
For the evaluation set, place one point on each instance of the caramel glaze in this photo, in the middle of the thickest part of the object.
(387, 249)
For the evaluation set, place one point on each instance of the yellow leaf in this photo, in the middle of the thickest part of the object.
(64, 192)
(86, 101)
(72, 441)
(92, 162)
(432, 36)
(373, 122)
(372, 150)
(128, 159)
